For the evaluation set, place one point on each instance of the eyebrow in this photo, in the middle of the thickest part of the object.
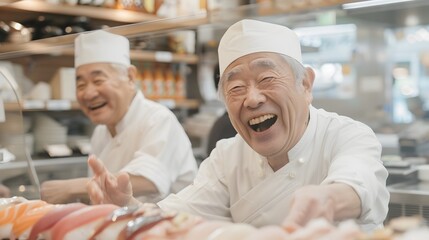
(262, 63)
(229, 75)
(92, 74)
(258, 63)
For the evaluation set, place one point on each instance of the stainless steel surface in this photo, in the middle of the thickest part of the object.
(45, 165)
(408, 199)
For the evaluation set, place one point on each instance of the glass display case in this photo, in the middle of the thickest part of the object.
(18, 174)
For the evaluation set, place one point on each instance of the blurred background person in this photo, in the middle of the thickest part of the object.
(133, 134)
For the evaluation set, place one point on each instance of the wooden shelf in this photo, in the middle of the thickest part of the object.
(152, 56)
(117, 15)
(67, 105)
(56, 46)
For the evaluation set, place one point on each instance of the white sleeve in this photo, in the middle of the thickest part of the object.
(208, 196)
(164, 153)
(356, 162)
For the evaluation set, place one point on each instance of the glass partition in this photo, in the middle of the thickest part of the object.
(17, 172)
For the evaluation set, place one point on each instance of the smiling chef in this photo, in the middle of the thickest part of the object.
(134, 135)
(289, 162)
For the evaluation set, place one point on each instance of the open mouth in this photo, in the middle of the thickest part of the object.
(97, 106)
(262, 123)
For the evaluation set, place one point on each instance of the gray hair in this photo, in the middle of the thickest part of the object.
(121, 69)
(296, 67)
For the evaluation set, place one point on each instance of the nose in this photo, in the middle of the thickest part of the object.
(254, 98)
(88, 93)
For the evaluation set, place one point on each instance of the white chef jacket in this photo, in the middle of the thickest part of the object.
(150, 142)
(237, 184)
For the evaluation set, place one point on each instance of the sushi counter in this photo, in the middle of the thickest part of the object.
(35, 219)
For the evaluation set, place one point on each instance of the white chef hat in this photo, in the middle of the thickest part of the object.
(101, 46)
(251, 36)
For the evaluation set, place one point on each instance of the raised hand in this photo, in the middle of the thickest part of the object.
(105, 187)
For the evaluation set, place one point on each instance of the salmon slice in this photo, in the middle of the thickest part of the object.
(23, 224)
(81, 223)
(47, 221)
(9, 214)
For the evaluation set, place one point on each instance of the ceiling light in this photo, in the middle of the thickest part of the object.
(371, 3)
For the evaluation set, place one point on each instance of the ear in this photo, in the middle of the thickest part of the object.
(308, 83)
(132, 74)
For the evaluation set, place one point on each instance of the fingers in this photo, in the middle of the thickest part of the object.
(297, 218)
(96, 165)
(123, 180)
(94, 191)
(299, 211)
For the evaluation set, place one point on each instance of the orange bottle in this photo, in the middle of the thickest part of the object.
(180, 86)
(147, 83)
(158, 87)
(170, 84)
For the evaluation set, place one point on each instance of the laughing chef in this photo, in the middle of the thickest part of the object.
(289, 162)
(134, 135)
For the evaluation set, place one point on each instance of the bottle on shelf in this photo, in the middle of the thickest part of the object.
(134, 5)
(170, 83)
(180, 85)
(147, 82)
(159, 83)
(109, 4)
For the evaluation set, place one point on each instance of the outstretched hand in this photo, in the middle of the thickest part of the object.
(105, 187)
(308, 203)
(334, 202)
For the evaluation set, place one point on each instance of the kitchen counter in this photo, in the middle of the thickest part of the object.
(412, 192)
(409, 198)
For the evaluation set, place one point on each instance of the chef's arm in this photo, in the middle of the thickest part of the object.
(142, 185)
(334, 202)
(347, 203)
(64, 191)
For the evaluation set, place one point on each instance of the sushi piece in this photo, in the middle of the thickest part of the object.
(81, 223)
(6, 202)
(205, 229)
(114, 223)
(236, 231)
(23, 224)
(349, 230)
(47, 221)
(315, 228)
(142, 224)
(9, 214)
(181, 224)
(270, 232)
(170, 228)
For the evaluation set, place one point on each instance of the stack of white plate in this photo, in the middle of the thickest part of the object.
(47, 131)
(80, 142)
(12, 134)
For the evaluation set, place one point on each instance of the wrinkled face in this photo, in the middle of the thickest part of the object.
(265, 105)
(104, 92)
